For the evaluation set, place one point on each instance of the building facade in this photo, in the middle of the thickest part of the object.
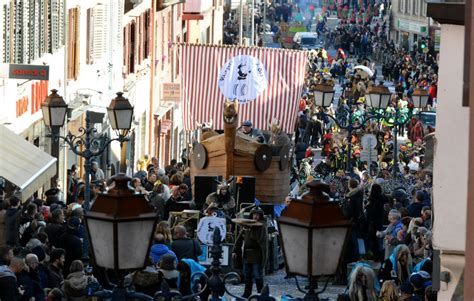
(409, 22)
(95, 49)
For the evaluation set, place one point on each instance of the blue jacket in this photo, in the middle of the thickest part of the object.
(158, 250)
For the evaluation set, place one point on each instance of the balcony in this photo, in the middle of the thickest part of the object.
(197, 6)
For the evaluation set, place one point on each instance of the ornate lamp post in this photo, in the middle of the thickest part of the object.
(54, 113)
(313, 236)
(120, 225)
(324, 94)
(379, 98)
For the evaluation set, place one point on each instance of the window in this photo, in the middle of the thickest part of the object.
(423, 8)
(170, 38)
(417, 7)
(73, 43)
(97, 28)
(31, 29)
(178, 54)
(401, 6)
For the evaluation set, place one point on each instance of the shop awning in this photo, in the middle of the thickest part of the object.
(23, 164)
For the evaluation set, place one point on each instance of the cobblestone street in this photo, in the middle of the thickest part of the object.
(280, 286)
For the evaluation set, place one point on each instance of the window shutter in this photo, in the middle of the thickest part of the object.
(77, 42)
(125, 50)
(132, 46)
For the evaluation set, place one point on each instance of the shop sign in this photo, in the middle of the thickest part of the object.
(31, 72)
(165, 126)
(410, 26)
(171, 92)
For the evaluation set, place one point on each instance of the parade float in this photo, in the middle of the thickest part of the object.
(235, 154)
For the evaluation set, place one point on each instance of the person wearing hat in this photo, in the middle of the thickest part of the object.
(253, 133)
(420, 280)
(252, 247)
(222, 199)
(71, 242)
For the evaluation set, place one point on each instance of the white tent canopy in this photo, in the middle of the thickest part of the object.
(23, 164)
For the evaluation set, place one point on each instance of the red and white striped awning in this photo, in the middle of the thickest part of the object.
(203, 101)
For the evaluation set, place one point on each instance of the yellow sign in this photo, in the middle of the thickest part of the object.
(171, 92)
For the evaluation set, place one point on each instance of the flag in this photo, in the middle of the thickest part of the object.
(278, 74)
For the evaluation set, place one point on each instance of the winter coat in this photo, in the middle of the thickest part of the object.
(300, 150)
(186, 248)
(8, 290)
(31, 283)
(158, 250)
(3, 214)
(414, 209)
(55, 277)
(354, 209)
(147, 281)
(75, 285)
(12, 226)
(157, 200)
(252, 245)
(54, 231)
(375, 213)
(72, 244)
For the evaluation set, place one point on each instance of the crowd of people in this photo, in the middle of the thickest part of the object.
(44, 248)
(389, 205)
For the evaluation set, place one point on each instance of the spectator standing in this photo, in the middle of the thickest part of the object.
(56, 227)
(183, 246)
(8, 280)
(12, 222)
(55, 268)
(30, 280)
(71, 242)
(75, 285)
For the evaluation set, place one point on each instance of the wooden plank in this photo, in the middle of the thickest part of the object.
(216, 153)
(273, 182)
(213, 144)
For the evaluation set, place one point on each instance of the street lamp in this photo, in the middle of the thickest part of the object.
(420, 98)
(54, 111)
(120, 113)
(313, 236)
(323, 95)
(120, 225)
(379, 97)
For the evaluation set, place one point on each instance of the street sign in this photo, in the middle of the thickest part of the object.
(206, 226)
(369, 141)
